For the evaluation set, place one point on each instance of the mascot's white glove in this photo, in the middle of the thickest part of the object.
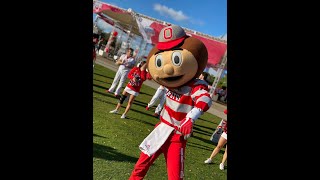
(187, 123)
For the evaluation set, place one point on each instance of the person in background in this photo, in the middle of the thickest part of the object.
(159, 94)
(221, 92)
(204, 76)
(126, 62)
(137, 76)
(221, 143)
(99, 44)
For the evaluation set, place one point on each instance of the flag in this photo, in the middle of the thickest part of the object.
(149, 29)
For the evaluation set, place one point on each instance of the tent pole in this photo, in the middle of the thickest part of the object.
(219, 73)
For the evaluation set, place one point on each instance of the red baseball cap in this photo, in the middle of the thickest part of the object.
(170, 37)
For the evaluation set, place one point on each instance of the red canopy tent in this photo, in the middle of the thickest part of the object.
(129, 20)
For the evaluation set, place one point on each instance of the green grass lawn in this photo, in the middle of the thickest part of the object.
(116, 141)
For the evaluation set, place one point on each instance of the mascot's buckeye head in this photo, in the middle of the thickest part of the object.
(177, 58)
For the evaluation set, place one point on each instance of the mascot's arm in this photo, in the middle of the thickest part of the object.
(202, 103)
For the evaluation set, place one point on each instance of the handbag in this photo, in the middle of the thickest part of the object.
(217, 133)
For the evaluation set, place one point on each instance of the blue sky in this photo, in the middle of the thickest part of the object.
(209, 16)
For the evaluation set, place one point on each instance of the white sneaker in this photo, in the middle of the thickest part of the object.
(208, 161)
(221, 166)
(123, 116)
(114, 111)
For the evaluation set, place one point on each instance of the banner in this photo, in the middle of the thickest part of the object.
(107, 20)
(149, 29)
(99, 6)
(216, 49)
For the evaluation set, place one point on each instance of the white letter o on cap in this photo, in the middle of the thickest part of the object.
(168, 30)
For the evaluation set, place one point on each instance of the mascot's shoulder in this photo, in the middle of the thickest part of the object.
(199, 82)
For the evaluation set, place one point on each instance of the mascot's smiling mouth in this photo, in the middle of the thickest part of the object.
(174, 78)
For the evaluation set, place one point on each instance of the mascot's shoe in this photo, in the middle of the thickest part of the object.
(117, 96)
(147, 108)
(208, 161)
(221, 166)
(123, 116)
(114, 111)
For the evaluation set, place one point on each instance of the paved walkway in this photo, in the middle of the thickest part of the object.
(216, 108)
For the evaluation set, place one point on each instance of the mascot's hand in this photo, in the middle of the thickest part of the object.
(186, 127)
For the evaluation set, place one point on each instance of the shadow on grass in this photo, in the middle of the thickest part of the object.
(96, 135)
(195, 145)
(206, 127)
(101, 100)
(103, 75)
(142, 121)
(140, 112)
(195, 132)
(199, 130)
(201, 139)
(140, 103)
(208, 142)
(107, 95)
(102, 87)
(199, 146)
(108, 153)
(206, 120)
(102, 81)
(146, 94)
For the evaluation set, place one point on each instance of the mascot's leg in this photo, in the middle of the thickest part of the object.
(174, 155)
(143, 164)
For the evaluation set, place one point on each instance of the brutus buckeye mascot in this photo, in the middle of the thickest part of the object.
(175, 63)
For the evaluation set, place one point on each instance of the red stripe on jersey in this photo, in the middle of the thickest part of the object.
(186, 100)
(199, 87)
(176, 115)
(201, 104)
(182, 99)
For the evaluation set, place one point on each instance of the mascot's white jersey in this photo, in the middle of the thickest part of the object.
(182, 100)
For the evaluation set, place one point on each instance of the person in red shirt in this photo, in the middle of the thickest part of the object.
(136, 76)
(221, 143)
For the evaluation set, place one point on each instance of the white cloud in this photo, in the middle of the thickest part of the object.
(176, 15)
(197, 22)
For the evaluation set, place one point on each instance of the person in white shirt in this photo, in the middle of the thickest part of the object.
(126, 62)
(159, 94)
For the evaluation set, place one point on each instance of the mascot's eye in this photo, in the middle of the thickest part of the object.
(159, 61)
(176, 58)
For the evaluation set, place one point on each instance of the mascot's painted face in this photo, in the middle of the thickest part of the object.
(173, 68)
(177, 66)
